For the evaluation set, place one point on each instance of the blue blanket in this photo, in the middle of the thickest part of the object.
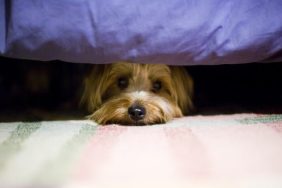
(183, 32)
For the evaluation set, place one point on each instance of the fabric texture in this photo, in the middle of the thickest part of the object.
(241, 150)
(183, 32)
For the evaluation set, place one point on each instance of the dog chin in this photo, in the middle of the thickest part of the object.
(116, 110)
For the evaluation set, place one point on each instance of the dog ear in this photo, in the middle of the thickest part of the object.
(94, 87)
(183, 87)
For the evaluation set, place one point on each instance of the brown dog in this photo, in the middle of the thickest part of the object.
(129, 93)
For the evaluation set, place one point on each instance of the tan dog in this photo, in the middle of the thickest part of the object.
(128, 93)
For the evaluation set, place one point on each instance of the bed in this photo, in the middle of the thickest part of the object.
(178, 32)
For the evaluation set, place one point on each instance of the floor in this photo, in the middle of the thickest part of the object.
(239, 150)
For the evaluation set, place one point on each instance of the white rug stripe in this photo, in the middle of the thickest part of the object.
(60, 168)
(42, 146)
(6, 129)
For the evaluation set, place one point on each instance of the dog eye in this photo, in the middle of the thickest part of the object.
(122, 82)
(157, 85)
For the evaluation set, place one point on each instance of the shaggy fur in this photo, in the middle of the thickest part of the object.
(164, 92)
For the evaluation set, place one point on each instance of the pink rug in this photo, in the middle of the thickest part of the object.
(241, 150)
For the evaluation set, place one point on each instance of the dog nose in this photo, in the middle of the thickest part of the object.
(136, 112)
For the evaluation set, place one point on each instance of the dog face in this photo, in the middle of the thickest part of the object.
(128, 93)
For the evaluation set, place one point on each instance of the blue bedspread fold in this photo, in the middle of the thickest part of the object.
(178, 32)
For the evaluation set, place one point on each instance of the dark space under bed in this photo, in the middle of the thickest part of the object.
(219, 89)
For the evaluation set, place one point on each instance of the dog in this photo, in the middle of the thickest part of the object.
(137, 94)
